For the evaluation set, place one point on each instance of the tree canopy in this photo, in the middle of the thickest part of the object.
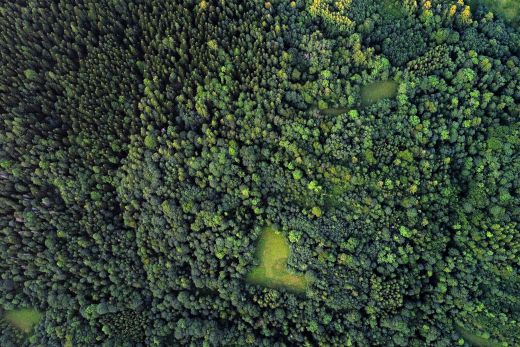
(147, 146)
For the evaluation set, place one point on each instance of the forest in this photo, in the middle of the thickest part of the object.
(260, 173)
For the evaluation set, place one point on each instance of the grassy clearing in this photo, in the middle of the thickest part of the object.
(508, 9)
(273, 252)
(334, 111)
(393, 9)
(23, 319)
(370, 94)
(476, 340)
(376, 91)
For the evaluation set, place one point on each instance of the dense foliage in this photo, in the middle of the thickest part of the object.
(145, 145)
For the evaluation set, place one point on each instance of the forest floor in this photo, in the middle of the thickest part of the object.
(23, 319)
(477, 340)
(376, 91)
(370, 94)
(508, 9)
(273, 252)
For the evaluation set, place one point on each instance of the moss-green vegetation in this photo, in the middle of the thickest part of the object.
(334, 111)
(376, 91)
(478, 340)
(273, 251)
(393, 9)
(507, 9)
(23, 319)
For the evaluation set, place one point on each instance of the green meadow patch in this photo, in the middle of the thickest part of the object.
(370, 94)
(477, 340)
(507, 9)
(23, 319)
(393, 9)
(373, 92)
(273, 252)
(334, 111)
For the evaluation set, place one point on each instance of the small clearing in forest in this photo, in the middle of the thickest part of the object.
(24, 319)
(273, 252)
(376, 91)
